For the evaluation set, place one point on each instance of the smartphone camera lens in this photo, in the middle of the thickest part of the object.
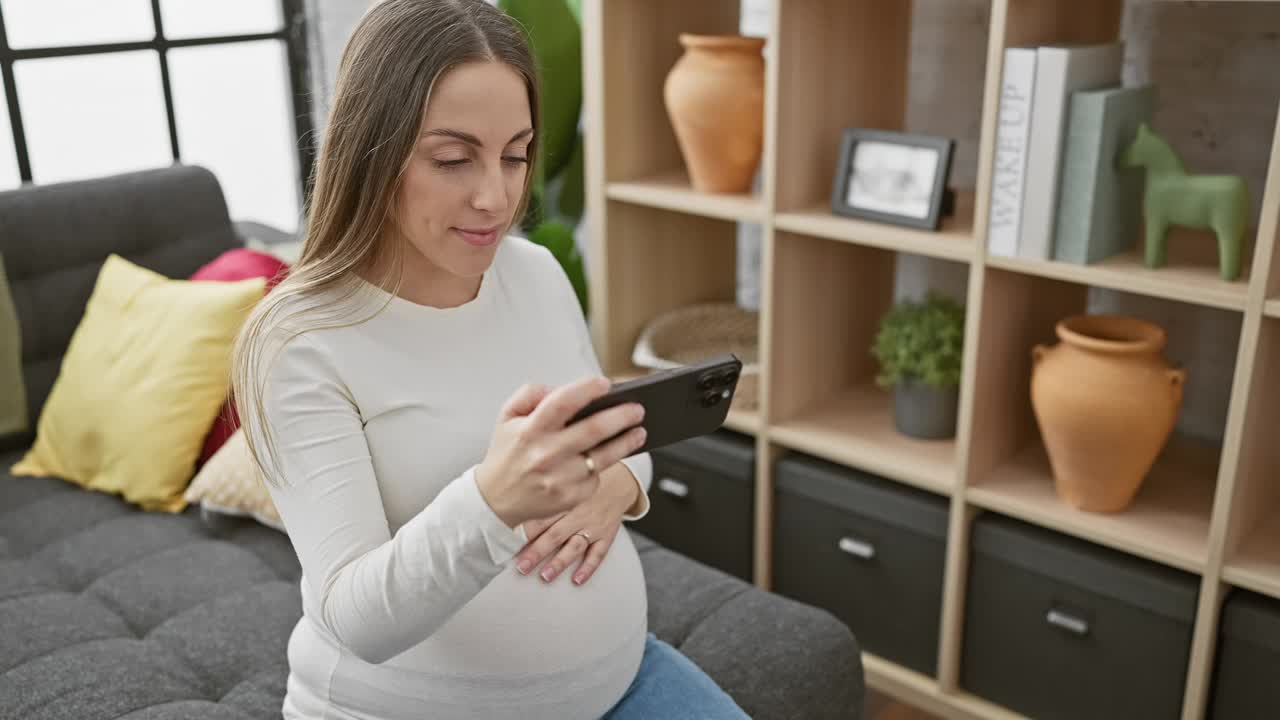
(706, 381)
(711, 398)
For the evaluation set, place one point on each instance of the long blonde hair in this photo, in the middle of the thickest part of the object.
(395, 55)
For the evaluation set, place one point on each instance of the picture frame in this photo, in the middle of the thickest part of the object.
(893, 177)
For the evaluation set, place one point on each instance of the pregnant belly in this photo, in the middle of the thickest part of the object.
(520, 624)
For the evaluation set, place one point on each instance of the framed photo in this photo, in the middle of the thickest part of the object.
(893, 177)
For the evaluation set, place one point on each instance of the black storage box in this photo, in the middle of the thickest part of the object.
(869, 550)
(1056, 627)
(702, 500)
(1248, 660)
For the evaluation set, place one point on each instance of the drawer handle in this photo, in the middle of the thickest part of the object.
(673, 487)
(857, 548)
(1067, 622)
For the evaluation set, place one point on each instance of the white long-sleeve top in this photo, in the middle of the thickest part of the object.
(412, 607)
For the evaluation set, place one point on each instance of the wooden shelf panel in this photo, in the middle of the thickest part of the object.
(952, 241)
(743, 421)
(1256, 565)
(673, 191)
(975, 707)
(923, 692)
(655, 261)
(1253, 539)
(1272, 308)
(1167, 522)
(903, 684)
(855, 428)
(1198, 284)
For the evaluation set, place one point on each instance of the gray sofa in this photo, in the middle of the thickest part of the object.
(107, 611)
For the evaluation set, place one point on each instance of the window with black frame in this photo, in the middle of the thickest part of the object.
(98, 87)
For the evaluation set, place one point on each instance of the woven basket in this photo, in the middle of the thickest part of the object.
(698, 332)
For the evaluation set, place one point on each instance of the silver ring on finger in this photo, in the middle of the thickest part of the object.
(590, 462)
(585, 535)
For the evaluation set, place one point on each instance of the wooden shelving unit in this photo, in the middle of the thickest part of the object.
(657, 244)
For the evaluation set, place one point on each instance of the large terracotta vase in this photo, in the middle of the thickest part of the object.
(1106, 401)
(715, 98)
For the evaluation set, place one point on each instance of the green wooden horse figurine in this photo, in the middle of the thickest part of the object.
(1172, 197)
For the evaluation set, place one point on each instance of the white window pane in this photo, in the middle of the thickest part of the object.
(57, 23)
(204, 18)
(233, 108)
(9, 175)
(93, 115)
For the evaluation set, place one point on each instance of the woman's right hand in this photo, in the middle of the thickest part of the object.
(535, 465)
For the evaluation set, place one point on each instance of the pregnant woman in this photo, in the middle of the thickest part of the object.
(405, 392)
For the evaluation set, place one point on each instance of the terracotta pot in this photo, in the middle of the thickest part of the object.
(715, 98)
(1106, 401)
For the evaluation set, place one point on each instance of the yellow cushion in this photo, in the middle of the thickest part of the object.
(143, 377)
(230, 483)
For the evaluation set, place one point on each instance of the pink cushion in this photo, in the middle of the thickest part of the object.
(237, 264)
(242, 264)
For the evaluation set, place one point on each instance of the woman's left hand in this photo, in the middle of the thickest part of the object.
(600, 517)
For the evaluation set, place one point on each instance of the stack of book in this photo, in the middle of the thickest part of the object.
(1058, 192)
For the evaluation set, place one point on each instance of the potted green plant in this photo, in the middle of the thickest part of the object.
(919, 345)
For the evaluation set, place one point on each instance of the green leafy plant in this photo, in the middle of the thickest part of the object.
(558, 238)
(553, 28)
(921, 340)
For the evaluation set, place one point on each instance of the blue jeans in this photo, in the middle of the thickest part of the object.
(670, 686)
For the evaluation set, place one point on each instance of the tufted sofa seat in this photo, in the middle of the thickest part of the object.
(108, 612)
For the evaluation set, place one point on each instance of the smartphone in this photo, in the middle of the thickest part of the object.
(679, 403)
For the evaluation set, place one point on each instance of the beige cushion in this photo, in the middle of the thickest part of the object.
(13, 391)
(229, 483)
